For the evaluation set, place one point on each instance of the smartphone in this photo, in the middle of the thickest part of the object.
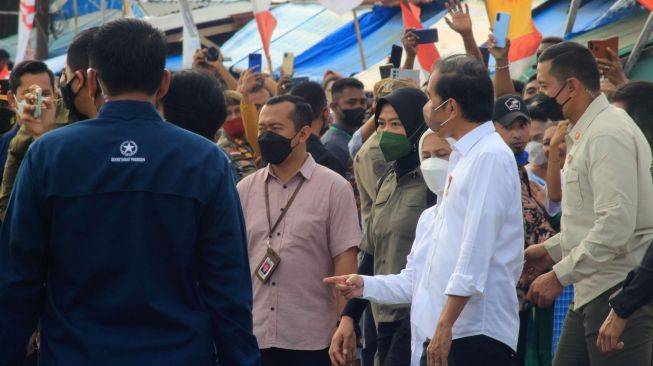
(501, 26)
(288, 65)
(39, 102)
(426, 35)
(486, 55)
(385, 70)
(395, 56)
(255, 61)
(405, 74)
(599, 47)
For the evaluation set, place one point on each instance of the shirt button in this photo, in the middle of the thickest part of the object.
(282, 210)
(383, 261)
(284, 187)
(272, 308)
(278, 234)
(274, 283)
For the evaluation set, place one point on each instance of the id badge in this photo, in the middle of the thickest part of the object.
(268, 265)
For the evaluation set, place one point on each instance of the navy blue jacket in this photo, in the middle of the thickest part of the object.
(125, 238)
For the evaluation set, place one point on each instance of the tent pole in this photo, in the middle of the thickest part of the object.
(639, 45)
(103, 9)
(75, 16)
(359, 38)
(571, 16)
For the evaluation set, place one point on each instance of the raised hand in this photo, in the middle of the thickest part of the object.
(459, 20)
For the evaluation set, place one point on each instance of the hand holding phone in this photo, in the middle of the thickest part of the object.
(255, 62)
(599, 47)
(501, 27)
(288, 66)
(424, 36)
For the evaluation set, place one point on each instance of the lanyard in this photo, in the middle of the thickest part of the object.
(283, 212)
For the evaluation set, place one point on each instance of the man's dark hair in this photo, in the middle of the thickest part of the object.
(552, 40)
(129, 55)
(4, 55)
(301, 116)
(77, 54)
(519, 86)
(537, 113)
(466, 80)
(340, 85)
(260, 87)
(570, 59)
(28, 67)
(195, 102)
(312, 93)
(637, 97)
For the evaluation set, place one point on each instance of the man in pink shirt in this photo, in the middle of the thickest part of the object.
(302, 226)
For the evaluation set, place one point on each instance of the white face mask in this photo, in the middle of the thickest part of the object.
(434, 171)
(20, 106)
(536, 153)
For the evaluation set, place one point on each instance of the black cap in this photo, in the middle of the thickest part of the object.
(508, 108)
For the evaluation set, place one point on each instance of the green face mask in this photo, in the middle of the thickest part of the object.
(393, 145)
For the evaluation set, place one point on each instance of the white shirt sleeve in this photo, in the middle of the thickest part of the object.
(398, 288)
(490, 189)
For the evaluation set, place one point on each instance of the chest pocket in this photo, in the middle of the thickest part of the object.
(573, 197)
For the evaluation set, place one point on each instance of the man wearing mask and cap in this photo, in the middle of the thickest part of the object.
(348, 106)
(512, 122)
(401, 197)
(233, 140)
(78, 105)
(301, 226)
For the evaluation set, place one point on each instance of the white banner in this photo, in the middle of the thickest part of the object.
(191, 40)
(25, 23)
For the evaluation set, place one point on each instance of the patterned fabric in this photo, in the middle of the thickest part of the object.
(562, 305)
(241, 154)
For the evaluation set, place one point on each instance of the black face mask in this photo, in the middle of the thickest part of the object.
(275, 148)
(551, 107)
(69, 96)
(354, 117)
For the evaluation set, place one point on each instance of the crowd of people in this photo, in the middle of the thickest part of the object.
(208, 216)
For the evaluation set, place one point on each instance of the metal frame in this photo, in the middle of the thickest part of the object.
(571, 16)
(639, 45)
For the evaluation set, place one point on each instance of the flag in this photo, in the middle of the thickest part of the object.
(427, 54)
(341, 6)
(25, 24)
(191, 36)
(647, 3)
(524, 36)
(266, 23)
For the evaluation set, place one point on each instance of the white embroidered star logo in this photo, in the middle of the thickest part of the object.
(128, 148)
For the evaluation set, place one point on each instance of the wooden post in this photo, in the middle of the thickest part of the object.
(359, 38)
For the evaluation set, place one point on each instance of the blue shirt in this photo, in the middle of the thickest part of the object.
(336, 141)
(5, 139)
(125, 237)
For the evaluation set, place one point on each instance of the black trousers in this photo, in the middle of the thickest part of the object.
(393, 343)
(289, 357)
(476, 351)
(368, 328)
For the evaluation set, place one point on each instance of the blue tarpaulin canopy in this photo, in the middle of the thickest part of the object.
(322, 40)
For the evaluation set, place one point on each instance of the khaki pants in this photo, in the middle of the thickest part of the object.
(577, 346)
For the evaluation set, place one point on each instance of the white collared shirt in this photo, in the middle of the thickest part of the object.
(399, 288)
(479, 241)
(476, 231)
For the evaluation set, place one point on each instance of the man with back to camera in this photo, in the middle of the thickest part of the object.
(140, 242)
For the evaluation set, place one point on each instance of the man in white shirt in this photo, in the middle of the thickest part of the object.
(477, 231)
(479, 225)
